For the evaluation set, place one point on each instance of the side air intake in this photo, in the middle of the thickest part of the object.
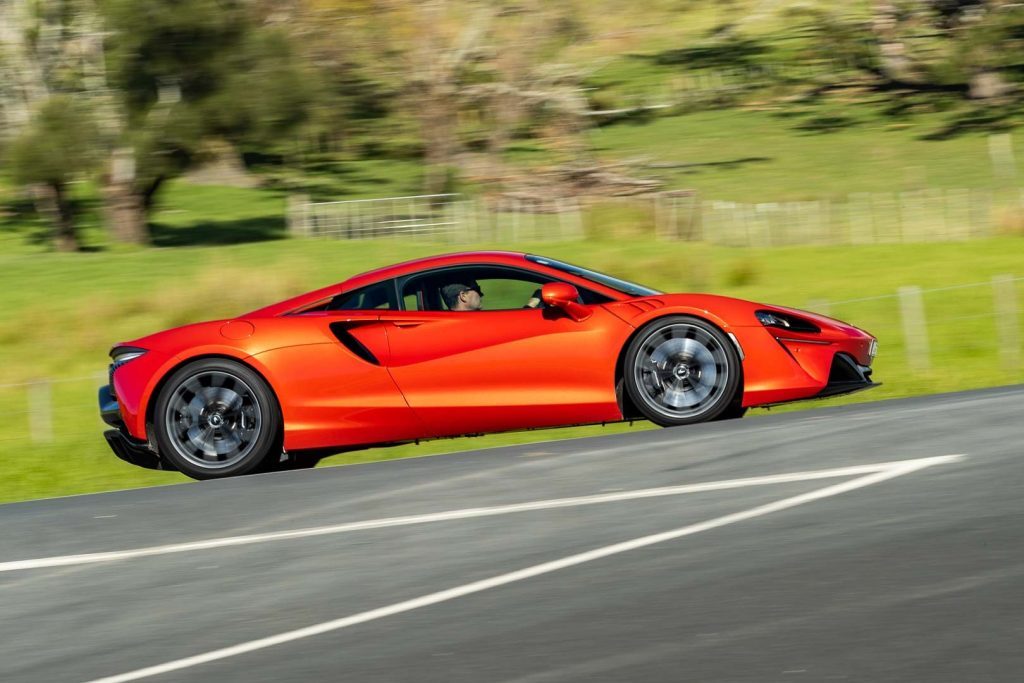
(340, 330)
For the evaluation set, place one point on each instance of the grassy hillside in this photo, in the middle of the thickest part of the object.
(777, 154)
(740, 154)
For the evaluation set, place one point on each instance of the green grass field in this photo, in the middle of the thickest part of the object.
(763, 156)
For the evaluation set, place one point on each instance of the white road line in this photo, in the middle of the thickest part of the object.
(891, 471)
(467, 513)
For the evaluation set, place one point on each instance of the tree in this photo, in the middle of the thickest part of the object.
(434, 64)
(47, 46)
(967, 46)
(186, 72)
(61, 143)
(502, 62)
(989, 46)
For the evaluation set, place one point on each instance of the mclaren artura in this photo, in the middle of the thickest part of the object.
(460, 344)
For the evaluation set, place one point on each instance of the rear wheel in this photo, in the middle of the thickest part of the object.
(217, 418)
(681, 370)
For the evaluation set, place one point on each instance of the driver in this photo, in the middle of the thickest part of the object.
(460, 297)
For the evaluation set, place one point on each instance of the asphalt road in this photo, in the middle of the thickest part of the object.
(561, 561)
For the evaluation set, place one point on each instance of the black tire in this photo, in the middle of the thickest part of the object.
(217, 418)
(300, 462)
(681, 370)
(733, 411)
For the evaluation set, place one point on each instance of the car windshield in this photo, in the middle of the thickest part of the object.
(615, 283)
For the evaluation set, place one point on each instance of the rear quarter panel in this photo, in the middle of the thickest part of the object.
(136, 382)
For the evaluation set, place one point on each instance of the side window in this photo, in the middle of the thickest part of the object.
(377, 296)
(503, 288)
(505, 293)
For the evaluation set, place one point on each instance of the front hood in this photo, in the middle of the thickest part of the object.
(731, 311)
(172, 340)
(725, 311)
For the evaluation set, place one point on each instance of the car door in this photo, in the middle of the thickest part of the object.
(466, 372)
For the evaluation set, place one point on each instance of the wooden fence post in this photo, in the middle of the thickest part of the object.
(296, 218)
(915, 331)
(40, 411)
(1004, 292)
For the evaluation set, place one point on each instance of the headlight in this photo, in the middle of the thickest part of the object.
(785, 321)
(123, 354)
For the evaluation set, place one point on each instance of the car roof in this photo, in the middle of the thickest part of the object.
(510, 258)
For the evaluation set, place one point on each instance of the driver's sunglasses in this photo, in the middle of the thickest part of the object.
(474, 289)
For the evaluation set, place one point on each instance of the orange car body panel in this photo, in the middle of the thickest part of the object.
(425, 374)
(504, 370)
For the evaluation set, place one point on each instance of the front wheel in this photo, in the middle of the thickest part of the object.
(217, 418)
(681, 370)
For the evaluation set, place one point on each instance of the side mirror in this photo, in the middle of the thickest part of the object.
(565, 297)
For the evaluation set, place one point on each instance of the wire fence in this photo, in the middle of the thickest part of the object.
(404, 217)
(970, 330)
(444, 218)
(934, 215)
(965, 329)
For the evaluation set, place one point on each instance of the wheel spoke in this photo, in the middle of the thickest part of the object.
(195, 407)
(224, 397)
(201, 438)
(228, 444)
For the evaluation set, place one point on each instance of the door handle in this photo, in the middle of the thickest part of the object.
(406, 323)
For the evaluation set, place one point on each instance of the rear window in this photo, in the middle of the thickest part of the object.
(380, 296)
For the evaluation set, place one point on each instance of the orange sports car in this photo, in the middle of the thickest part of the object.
(460, 344)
